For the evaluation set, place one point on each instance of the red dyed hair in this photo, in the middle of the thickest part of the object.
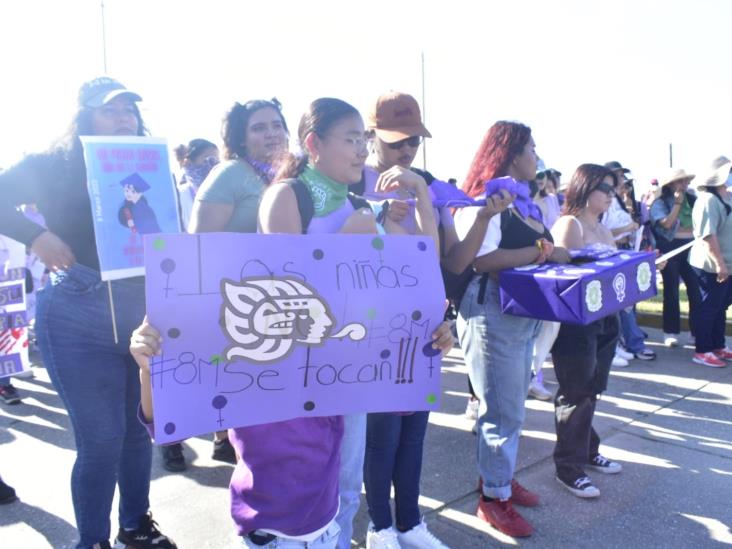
(503, 142)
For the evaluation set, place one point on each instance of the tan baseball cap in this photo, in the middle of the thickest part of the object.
(396, 116)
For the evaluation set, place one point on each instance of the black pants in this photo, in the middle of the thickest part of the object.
(677, 269)
(582, 357)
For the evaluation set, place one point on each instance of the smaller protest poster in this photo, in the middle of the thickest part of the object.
(132, 194)
(13, 321)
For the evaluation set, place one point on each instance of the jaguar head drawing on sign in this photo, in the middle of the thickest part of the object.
(265, 317)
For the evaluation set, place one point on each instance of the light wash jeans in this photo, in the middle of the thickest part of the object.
(353, 448)
(98, 382)
(544, 341)
(633, 339)
(327, 541)
(498, 351)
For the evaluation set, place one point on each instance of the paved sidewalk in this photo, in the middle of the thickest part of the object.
(669, 422)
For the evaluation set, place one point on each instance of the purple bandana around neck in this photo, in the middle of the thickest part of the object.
(523, 203)
(264, 170)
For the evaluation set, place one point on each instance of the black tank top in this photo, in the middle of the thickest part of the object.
(515, 233)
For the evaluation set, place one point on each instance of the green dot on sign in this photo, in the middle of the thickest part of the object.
(215, 359)
(159, 244)
(377, 243)
(371, 313)
(431, 398)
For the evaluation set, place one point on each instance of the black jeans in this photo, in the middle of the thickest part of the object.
(710, 318)
(582, 357)
(677, 268)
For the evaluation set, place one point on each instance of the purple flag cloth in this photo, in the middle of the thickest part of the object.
(445, 195)
(523, 203)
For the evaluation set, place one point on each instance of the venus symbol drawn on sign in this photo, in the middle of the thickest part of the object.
(167, 266)
(219, 403)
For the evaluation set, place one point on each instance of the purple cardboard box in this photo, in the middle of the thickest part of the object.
(594, 285)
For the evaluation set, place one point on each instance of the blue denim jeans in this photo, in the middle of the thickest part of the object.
(98, 382)
(326, 541)
(633, 339)
(498, 351)
(394, 454)
(353, 447)
(710, 316)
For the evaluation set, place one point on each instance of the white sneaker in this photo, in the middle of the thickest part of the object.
(622, 353)
(471, 410)
(383, 539)
(670, 340)
(419, 538)
(538, 391)
(619, 362)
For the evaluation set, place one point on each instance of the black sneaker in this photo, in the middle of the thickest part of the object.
(7, 494)
(9, 394)
(224, 451)
(645, 354)
(603, 465)
(581, 487)
(147, 536)
(173, 457)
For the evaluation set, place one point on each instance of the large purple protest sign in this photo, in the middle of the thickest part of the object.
(264, 328)
(13, 321)
(132, 194)
(580, 292)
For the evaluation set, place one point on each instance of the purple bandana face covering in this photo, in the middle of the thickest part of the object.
(264, 170)
(523, 203)
(197, 173)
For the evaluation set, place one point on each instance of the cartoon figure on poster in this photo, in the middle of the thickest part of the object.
(137, 171)
(135, 213)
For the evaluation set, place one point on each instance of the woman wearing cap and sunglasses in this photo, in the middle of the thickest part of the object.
(95, 377)
(498, 347)
(672, 226)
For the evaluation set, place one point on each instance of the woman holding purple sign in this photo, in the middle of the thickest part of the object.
(285, 489)
(498, 347)
(96, 378)
(583, 355)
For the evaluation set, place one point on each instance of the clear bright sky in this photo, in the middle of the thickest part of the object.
(596, 80)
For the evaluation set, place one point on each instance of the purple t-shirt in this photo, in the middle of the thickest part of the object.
(287, 476)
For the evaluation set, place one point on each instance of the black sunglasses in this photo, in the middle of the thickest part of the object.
(413, 142)
(605, 188)
(540, 175)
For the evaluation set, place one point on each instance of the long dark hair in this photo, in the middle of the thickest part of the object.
(584, 180)
(321, 116)
(715, 191)
(503, 142)
(68, 147)
(235, 123)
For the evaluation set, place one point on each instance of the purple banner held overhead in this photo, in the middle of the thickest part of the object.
(264, 328)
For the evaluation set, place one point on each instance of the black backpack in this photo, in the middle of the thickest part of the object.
(305, 202)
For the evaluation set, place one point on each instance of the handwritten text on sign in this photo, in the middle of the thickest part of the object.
(264, 328)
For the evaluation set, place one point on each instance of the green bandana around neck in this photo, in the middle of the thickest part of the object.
(685, 214)
(327, 194)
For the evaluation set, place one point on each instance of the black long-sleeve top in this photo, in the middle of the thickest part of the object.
(57, 185)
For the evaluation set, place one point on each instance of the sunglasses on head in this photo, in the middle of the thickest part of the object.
(605, 188)
(540, 175)
(413, 142)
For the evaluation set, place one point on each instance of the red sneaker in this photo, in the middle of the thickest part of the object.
(504, 518)
(709, 359)
(723, 354)
(522, 496)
